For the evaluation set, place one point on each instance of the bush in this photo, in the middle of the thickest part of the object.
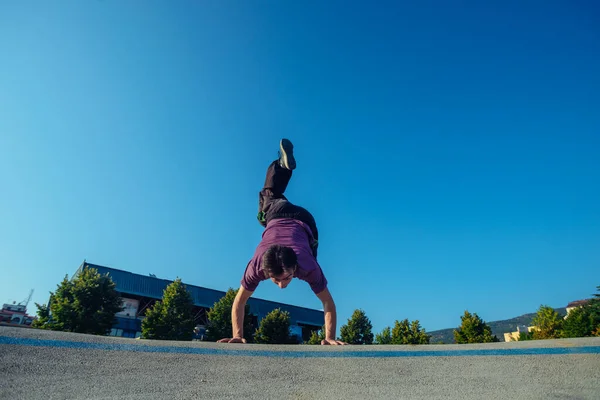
(317, 337)
(274, 328)
(525, 336)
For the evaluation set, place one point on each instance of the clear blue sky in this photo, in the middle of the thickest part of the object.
(448, 150)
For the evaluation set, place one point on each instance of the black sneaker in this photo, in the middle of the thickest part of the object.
(286, 154)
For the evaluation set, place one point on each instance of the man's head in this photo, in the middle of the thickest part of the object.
(279, 263)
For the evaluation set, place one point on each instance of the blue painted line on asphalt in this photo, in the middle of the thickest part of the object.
(340, 353)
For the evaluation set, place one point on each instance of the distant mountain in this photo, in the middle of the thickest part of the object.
(499, 328)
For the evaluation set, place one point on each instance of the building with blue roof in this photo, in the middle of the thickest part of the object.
(139, 292)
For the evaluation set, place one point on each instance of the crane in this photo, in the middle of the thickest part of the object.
(26, 302)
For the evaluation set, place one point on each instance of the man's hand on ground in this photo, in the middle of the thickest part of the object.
(232, 340)
(332, 342)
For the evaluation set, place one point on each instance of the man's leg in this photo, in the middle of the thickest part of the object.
(273, 204)
(278, 176)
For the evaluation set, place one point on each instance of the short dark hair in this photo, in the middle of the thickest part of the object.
(278, 259)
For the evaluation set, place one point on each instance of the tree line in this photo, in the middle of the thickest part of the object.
(581, 321)
(88, 304)
(358, 330)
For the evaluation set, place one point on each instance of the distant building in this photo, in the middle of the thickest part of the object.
(514, 336)
(15, 314)
(576, 304)
(139, 292)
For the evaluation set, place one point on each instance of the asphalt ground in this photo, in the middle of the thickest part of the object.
(37, 364)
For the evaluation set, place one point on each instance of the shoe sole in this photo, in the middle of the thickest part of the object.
(287, 154)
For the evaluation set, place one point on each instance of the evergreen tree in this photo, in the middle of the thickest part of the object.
(219, 319)
(473, 330)
(43, 317)
(594, 310)
(385, 337)
(548, 323)
(579, 323)
(274, 328)
(172, 317)
(85, 304)
(583, 321)
(358, 329)
(418, 334)
(405, 332)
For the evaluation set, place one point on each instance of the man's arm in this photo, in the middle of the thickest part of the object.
(330, 318)
(237, 317)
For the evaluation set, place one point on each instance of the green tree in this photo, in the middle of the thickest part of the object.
(219, 319)
(473, 330)
(385, 337)
(548, 323)
(316, 337)
(43, 317)
(525, 336)
(85, 304)
(405, 332)
(171, 318)
(579, 323)
(274, 328)
(583, 321)
(357, 330)
(594, 310)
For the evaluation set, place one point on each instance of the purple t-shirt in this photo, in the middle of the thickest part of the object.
(290, 233)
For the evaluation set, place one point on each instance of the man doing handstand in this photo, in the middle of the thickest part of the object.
(288, 248)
